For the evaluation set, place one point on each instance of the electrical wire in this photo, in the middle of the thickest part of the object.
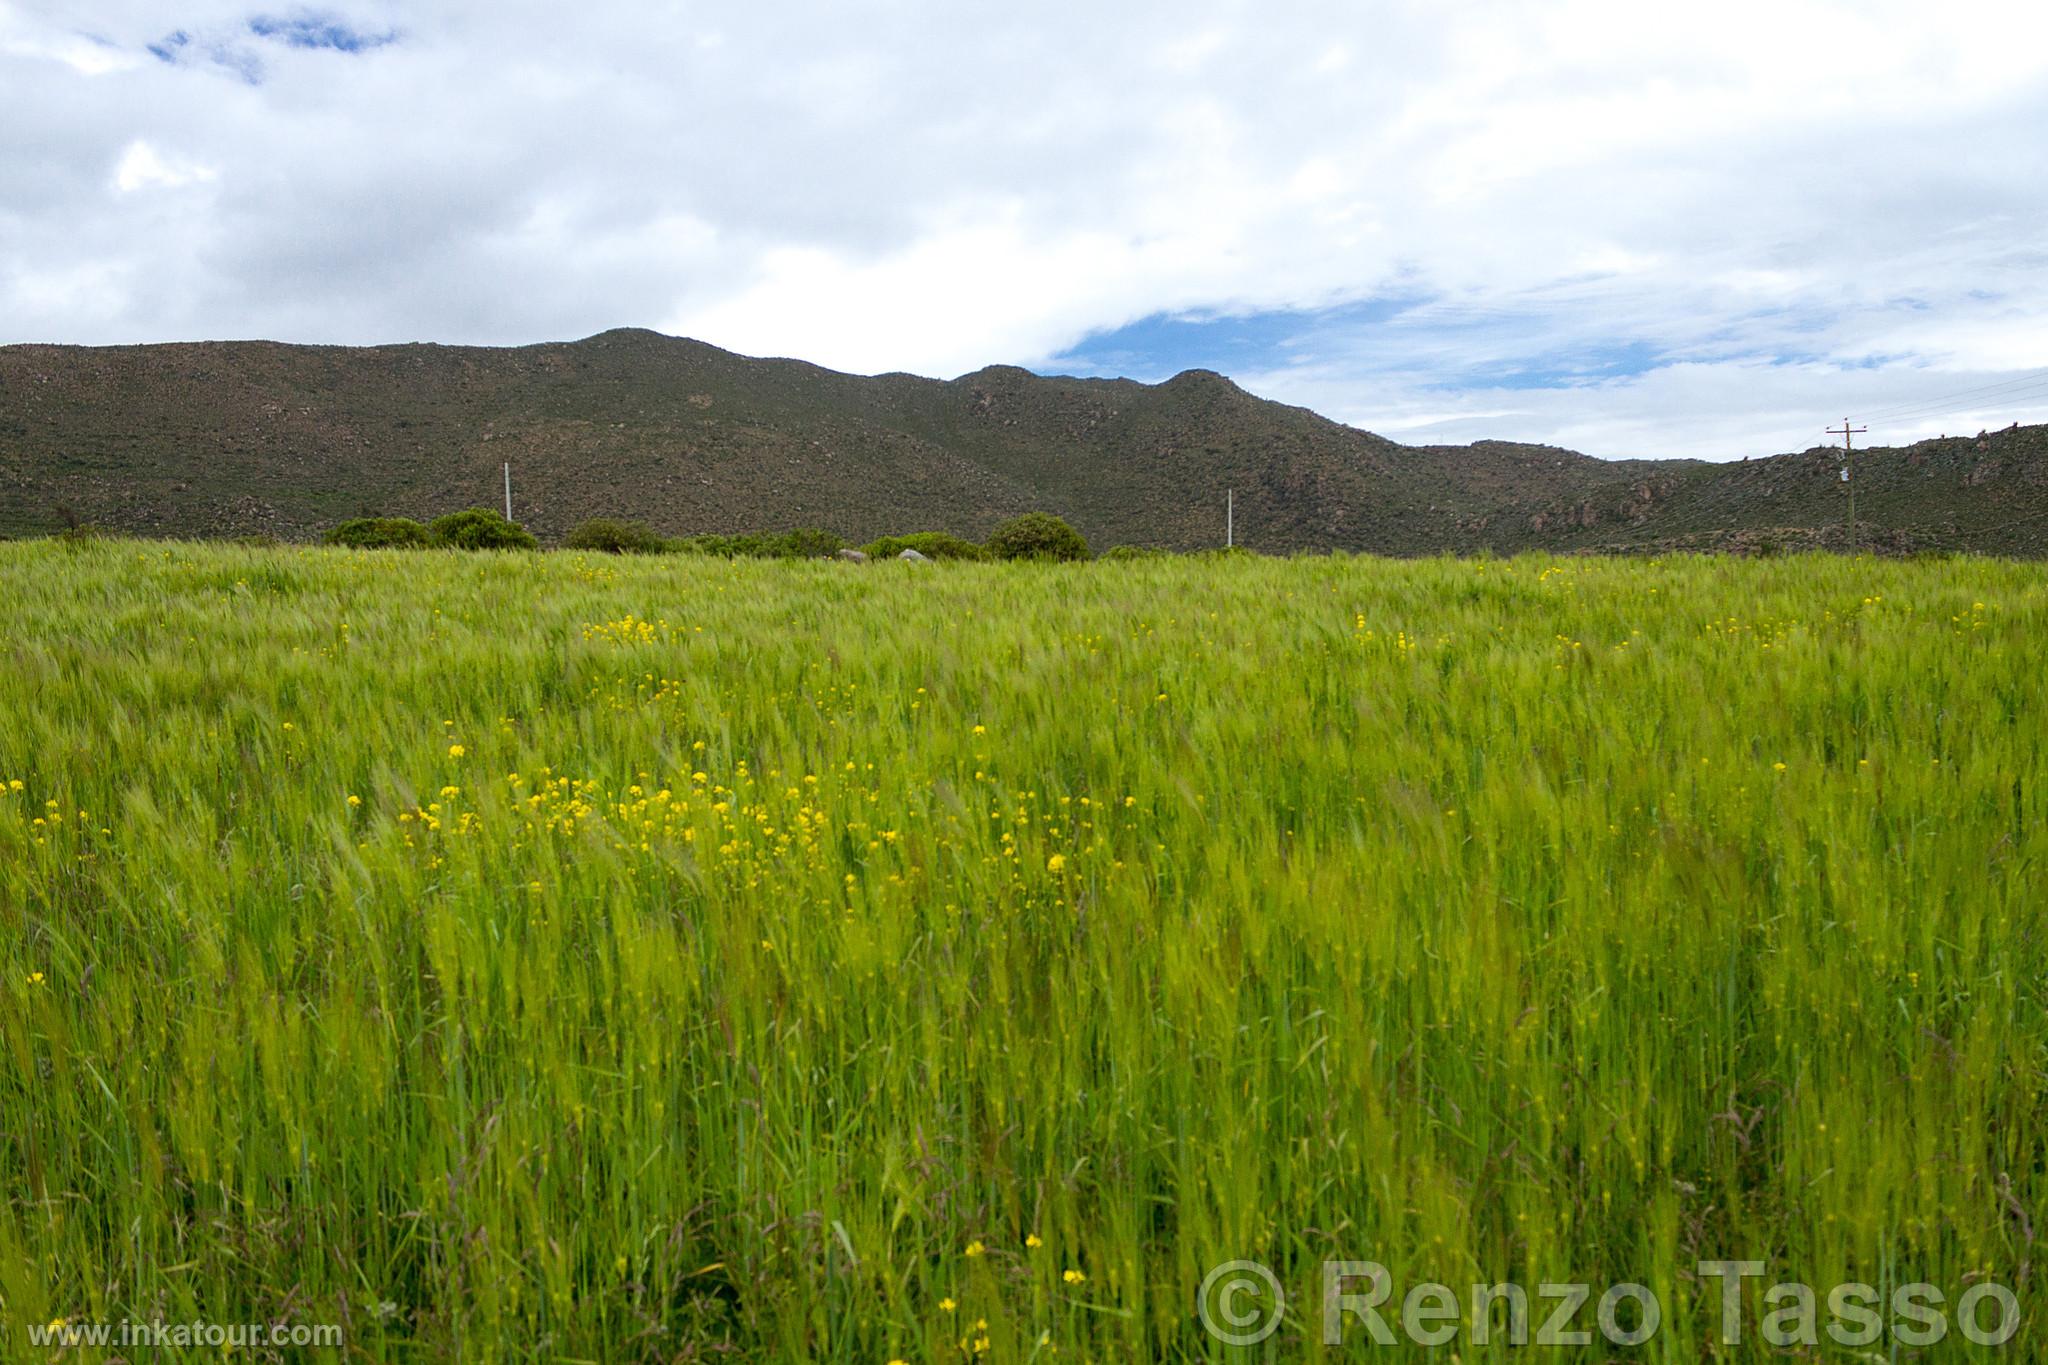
(1937, 404)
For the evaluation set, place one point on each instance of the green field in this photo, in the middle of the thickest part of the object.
(555, 958)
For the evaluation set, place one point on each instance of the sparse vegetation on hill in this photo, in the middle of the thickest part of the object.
(223, 439)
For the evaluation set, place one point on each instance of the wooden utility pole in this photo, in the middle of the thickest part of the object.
(1848, 433)
(508, 490)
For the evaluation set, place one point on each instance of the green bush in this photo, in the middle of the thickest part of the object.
(1136, 552)
(805, 543)
(613, 536)
(479, 528)
(930, 544)
(379, 533)
(1037, 535)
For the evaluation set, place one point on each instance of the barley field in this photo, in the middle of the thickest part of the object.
(544, 957)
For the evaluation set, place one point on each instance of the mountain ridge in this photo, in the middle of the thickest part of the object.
(238, 437)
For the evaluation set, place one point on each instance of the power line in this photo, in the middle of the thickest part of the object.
(1975, 390)
(1934, 404)
(1984, 407)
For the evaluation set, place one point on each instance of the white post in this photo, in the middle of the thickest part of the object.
(508, 490)
(1229, 518)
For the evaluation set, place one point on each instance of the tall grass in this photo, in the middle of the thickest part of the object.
(567, 958)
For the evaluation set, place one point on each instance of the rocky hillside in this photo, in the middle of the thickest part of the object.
(228, 438)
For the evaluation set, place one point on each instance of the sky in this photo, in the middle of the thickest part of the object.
(1632, 229)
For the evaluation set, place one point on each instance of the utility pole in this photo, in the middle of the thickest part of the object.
(508, 490)
(1848, 433)
(1229, 517)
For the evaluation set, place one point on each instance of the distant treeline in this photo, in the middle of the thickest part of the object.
(1031, 536)
(1034, 535)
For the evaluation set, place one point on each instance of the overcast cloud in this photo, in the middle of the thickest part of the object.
(1635, 229)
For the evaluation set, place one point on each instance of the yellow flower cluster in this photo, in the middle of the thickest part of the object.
(629, 630)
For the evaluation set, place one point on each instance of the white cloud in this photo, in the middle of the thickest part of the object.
(143, 167)
(1802, 204)
(25, 40)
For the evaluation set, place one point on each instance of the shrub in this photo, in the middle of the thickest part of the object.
(479, 528)
(930, 544)
(805, 543)
(1136, 552)
(1037, 535)
(379, 533)
(698, 545)
(615, 537)
(76, 530)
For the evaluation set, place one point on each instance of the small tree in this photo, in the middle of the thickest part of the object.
(930, 544)
(615, 537)
(479, 528)
(379, 533)
(1037, 535)
(805, 542)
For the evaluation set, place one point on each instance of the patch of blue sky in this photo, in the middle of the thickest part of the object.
(1570, 368)
(167, 48)
(315, 30)
(1425, 342)
(1880, 360)
(177, 48)
(1163, 344)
